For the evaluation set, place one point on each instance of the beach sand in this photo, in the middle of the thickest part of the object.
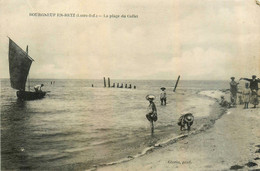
(232, 142)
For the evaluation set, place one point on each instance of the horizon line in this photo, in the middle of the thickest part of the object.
(124, 79)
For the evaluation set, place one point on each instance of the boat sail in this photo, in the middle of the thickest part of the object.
(19, 67)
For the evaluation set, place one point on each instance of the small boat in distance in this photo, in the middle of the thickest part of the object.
(19, 67)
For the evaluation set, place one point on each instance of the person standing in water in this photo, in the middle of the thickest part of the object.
(233, 91)
(163, 96)
(151, 111)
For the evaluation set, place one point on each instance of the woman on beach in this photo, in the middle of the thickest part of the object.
(151, 111)
(246, 96)
(254, 89)
(254, 99)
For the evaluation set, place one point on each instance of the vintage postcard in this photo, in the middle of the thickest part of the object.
(130, 85)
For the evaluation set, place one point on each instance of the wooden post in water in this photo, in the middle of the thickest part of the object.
(176, 84)
(108, 82)
(105, 82)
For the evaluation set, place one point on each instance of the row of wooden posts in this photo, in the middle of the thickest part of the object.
(118, 86)
(130, 86)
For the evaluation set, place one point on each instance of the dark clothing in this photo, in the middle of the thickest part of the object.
(233, 87)
(151, 117)
(152, 112)
(253, 83)
(224, 103)
(163, 97)
(186, 119)
(163, 101)
(254, 99)
(233, 90)
(254, 89)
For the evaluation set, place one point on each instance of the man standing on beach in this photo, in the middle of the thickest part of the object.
(233, 91)
(253, 82)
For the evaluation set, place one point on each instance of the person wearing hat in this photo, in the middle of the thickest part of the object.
(38, 88)
(163, 96)
(233, 91)
(151, 111)
(186, 119)
(253, 82)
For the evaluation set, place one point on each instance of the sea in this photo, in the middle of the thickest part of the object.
(77, 126)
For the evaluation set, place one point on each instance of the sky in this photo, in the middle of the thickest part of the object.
(198, 39)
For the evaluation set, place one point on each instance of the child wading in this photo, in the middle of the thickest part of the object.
(163, 96)
(151, 111)
(246, 96)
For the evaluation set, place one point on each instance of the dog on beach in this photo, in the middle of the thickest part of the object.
(186, 119)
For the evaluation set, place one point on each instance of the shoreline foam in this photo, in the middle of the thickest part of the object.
(230, 143)
(205, 123)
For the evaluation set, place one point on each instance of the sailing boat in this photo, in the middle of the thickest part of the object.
(19, 67)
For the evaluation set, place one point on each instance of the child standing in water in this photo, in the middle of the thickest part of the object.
(163, 96)
(246, 96)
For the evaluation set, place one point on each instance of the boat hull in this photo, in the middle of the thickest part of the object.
(29, 95)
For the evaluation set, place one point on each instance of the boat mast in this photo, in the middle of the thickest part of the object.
(29, 72)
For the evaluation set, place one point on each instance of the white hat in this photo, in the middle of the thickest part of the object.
(150, 97)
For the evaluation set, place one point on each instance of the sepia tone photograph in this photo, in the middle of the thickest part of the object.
(130, 85)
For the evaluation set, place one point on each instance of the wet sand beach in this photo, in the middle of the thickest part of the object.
(233, 142)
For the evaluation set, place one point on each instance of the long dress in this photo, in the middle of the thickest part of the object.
(246, 95)
(254, 99)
